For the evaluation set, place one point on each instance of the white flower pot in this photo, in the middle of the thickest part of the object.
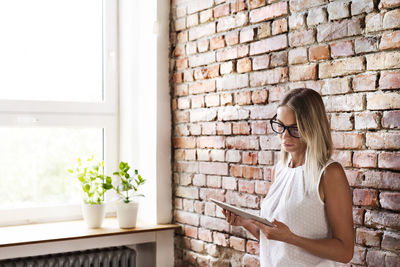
(127, 214)
(93, 214)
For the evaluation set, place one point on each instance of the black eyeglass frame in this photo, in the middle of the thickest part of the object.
(273, 120)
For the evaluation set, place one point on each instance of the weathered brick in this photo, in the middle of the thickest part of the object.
(181, 63)
(391, 240)
(190, 167)
(261, 62)
(274, 76)
(374, 22)
(336, 86)
(203, 45)
(234, 81)
(301, 38)
(221, 10)
(298, 56)
(359, 255)
(197, 101)
(341, 67)
(224, 128)
(390, 40)
(381, 180)
(221, 240)
(365, 197)
(180, 24)
(389, 80)
(388, 3)
(212, 100)
(229, 183)
(217, 42)
(267, 45)
(232, 113)
(368, 237)
(202, 59)
(364, 82)
(366, 44)
(339, 29)
(391, 19)
(203, 114)
(195, 129)
(350, 102)
(342, 49)
(192, 20)
(279, 26)
(390, 200)
(366, 120)
(243, 200)
(391, 119)
(232, 38)
(210, 142)
(358, 215)
(389, 160)
(237, 243)
(198, 5)
(303, 72)
(238, 5)
(347, 140)
(320, 52)
(227, 54)
(183, 103)
(246, 35)
(232, 22)
(299, 5)
(259, 97)
(264, 30)
(184, 142)
(243, 65)
(226, 67)
(365, 159)
(240, 128)
(263, 112)
(201, 31)
(361, 6)
(316, 16)
(384, 60)
(270, 142)
(256, 3)
(375, 258)
(246, 186)
(206, 16)
(250, 261)
(187, 217)
(377, 101)
(268, 12)
(338, 10)
(214, 224)
(343, 157)
(279, 59)
(385, 140)
(252, 247)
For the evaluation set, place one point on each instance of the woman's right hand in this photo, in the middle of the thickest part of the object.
(234, 219)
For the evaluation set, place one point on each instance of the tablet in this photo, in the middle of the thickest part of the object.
(242, 213)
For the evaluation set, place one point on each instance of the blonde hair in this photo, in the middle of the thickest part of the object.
(314, 129)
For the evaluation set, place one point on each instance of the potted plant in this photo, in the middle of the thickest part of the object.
(127, 190)
(94, 184)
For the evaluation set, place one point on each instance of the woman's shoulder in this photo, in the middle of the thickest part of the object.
(334, 173)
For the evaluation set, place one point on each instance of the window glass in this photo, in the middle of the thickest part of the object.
(51, 50)
(34, 163)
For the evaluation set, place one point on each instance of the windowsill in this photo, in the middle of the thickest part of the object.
(69, 230)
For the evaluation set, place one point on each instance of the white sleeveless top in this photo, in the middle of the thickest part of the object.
(305, 216)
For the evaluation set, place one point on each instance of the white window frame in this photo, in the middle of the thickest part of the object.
(14, 113)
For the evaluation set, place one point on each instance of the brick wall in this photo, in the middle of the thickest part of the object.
(231, 61)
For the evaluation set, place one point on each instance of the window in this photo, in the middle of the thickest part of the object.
(58, 102)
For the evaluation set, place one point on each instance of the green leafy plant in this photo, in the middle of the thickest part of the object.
(92, 180)
(128, 186)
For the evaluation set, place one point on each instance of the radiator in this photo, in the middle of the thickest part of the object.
(108, 257)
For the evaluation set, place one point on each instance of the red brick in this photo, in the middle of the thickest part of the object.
(386, 140)
(389, 160)
(243, 98)
(249, 158)
(240, 128)
(243, 200)
(301, 38)
(389, 80)
(303, 72)
(389, 3)
(365, 197)
(191, 231)
(380, 218)
(358, 215)
(390, 40)
(277, 42)
(184, 142)
(391, 119)
(268, 12)
(347, 140)
(217, 42)
(242, 142)
(178, 77)
(246, 186)
(343, 157)
(243, 65)
(391, 241)
(259, 96)
(258, 127)
(252, 172)
(368, 237)
(179, 50)
(206, 86)
(276, 93)
(364, 82)
(342, 49)
(221, 11)
(279, 26)
(211, 142)
(221, 239)
(365, 159)
(256, 3)
(367, 120)
(238, 5)
(181, 63)
(382, 180)
(274, 76)
(243, 50)
(251, 261)
(224, 128)
(237, 243)
(390, 200)
(253, 247)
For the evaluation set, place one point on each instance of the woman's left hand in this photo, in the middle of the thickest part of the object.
(280, 233)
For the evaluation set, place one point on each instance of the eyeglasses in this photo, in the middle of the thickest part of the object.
(280, 128)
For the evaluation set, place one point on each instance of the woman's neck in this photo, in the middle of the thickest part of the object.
(297, 159)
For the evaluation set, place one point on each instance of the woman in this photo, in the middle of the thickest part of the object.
(310, 200)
